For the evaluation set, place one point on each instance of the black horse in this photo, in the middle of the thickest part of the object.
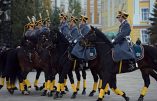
(59, 50)
(108, 69)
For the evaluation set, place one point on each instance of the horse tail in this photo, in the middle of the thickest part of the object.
(12, 68)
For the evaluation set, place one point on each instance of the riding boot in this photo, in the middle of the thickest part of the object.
(132, 65)
(30, 57)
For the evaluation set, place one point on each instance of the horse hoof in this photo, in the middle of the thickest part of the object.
(99, 99)
(55, 88)
(77, 89)
(15, 88)
(127, 99)
(1, 86)
(25, 93)
(107, 93)
(74, 95)
(141, 98)
(36, 88)
(41, 88)
(66, 88)
(50, 94)
(11, 91)
(92, 93)
(84, 92)
(56, 95)
(44, 93)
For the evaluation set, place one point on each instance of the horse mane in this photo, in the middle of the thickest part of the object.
(103, 36)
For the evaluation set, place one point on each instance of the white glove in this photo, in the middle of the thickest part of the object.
(70, 41)
(113, 40)
(75, 41)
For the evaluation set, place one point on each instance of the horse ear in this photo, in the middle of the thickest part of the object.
(92, 28)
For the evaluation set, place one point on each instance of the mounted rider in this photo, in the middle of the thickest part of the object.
(123, 49)
(63, 27)
(84, 27)
(85, 53)
(73, 30)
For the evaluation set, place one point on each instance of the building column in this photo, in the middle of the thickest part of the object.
(88, 11)
(95, 11)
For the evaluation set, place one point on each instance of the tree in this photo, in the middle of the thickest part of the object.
(19, 11)
(75, 8)
(153, 29)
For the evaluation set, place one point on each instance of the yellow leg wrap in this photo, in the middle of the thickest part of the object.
(45, 88)
(8, 84)
(73, 87)
(78, 85)
(62, 87)
(2, 81)
(21, 86)
(84, 84)
(36, 82)
(100, 83)
(101, 94)
(65, 82)
(144, 91)
(118, 92)
(54, 82)
(58, 87)
(27, 82)
(48, 85)
(106, 88)
(51, 86)
(95, 86)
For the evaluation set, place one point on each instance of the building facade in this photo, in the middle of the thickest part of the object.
(139, 13)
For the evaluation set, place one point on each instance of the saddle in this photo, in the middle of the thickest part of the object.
(139, 51)
(84, 52)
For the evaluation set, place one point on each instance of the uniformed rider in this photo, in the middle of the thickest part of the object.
(122, 44)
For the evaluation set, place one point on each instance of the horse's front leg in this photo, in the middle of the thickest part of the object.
(145, 76)
(114, 88)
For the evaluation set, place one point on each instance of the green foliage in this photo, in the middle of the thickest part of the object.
(153, 29)
(75, 8)
(55, 17)
(19, 11)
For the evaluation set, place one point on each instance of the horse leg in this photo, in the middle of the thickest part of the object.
(114, 88)
(2, 79)
(153, 74)
(95, 77)
(44, 86)
(84, 82)
(146, 78)
(65, 84)
(70, 75)
(105, 78)
(78, 76)
(21, 83)
(37, 79)
(27, 82)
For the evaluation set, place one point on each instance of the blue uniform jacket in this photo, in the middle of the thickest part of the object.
(84, 29)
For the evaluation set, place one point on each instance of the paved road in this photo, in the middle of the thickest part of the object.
(131, 83)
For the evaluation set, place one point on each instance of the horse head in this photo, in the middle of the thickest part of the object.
(95, 36)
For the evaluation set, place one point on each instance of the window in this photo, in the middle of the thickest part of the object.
(145, 14)
(145, 36)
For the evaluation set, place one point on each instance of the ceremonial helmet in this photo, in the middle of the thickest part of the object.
(122, 14)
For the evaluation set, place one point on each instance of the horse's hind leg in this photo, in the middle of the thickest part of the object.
(78, 76)
(145, 76)
(154, 74)
(71, 78)
(37, 79)
(95, 77)
(114, 88)
(65, 83)
(84, 81)
(2, 79)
